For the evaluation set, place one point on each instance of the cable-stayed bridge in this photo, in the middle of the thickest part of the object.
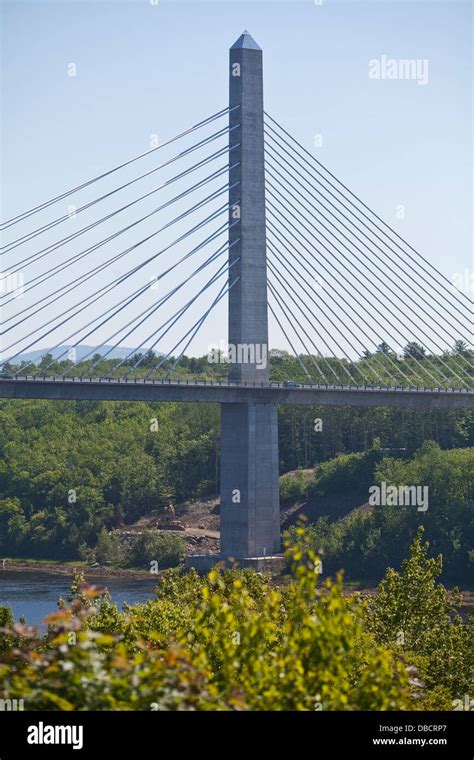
(233, 211)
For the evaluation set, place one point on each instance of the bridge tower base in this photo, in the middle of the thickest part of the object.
(202, 563)
(250, 495)
(250, 498)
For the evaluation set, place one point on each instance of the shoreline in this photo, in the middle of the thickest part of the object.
(51, 568)
(104, 573)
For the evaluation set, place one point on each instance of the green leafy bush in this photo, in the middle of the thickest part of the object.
(108, 548)
(225, 642)
(166, 548)
(294, 486)
(6, 622)
(234, 641)
(348, 472)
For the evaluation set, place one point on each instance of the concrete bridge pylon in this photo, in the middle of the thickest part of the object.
(250, 500)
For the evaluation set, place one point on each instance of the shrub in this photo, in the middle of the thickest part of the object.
(108, 548)
(348, 472)
(6, 621)
(166, 548)
(231, 640)
(294, 486)
(240, 644)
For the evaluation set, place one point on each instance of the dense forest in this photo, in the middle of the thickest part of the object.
(70, 469)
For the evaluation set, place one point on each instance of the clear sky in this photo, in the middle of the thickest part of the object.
(144, 69)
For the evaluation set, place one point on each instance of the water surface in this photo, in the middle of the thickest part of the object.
(35, 595)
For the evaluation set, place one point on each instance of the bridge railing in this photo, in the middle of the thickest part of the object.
(233, 384)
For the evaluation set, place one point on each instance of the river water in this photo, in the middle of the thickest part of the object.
(34, 595)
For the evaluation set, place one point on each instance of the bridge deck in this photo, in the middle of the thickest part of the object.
(111, 389)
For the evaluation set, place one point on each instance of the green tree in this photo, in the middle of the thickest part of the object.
(416, 613)
(461, 348)
(384, 348)
(166, 548)
(414, 350)
(108, 548)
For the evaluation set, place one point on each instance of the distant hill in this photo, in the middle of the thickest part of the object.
(81, 350)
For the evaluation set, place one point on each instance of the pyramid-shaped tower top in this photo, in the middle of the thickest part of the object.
(246, 41)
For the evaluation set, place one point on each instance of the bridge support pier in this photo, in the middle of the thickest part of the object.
(250, 501)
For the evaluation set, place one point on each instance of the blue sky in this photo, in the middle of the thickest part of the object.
(147, 69)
